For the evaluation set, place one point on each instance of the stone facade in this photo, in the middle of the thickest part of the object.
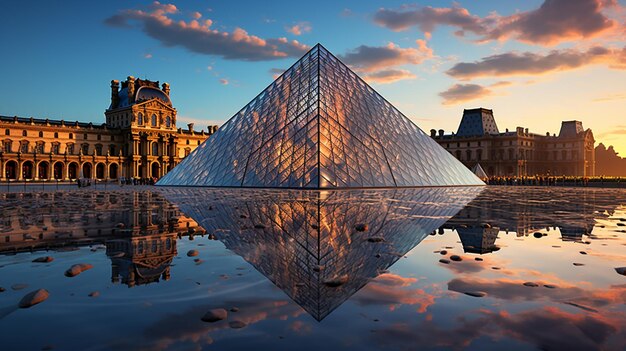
(139, 139)
(519, 152)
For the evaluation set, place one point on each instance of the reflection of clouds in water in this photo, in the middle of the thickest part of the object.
(547, 328)
(392, 290)
(185, 329)
(514, 290)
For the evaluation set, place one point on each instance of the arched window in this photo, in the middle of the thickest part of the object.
(168, 121)
(69, 149)
(24, 133)
(71, 136)
(41, 134)
(98, 149)
(7, 132)
(140, 118)
(56, 135)
(85, 136)
(458, 154)
(155, 149)
(153, 120)
(469, 154)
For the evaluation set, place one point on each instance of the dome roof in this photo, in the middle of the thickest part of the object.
(146, 93)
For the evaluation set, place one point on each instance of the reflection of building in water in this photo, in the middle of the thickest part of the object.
(526, 210)
(304, 241)
(139, 229)
(138, 260)
(478, 239)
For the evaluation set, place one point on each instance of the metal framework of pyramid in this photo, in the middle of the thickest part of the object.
(319, 125)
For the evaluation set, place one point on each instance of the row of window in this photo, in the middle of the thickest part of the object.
(24, 147)
(56, 135)
(153, 120)
(523, 155)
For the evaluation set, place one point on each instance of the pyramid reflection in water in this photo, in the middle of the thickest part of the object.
(303, 239)
(319, 126)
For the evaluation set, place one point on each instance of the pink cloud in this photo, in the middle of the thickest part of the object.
(464, 92)
(553, 22)
(300, 28)
(528, 63)
(388, 76)
(200, 37)
(373, 58)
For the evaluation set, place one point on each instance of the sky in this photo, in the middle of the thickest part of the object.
(535, 63)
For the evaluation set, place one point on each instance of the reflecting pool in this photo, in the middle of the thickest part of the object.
(483, 268)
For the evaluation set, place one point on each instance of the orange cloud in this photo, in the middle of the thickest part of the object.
(528, 63)
(373, 58)
(555, 21)
(300, 28)
(464, 92)
(200, 37)
(389, 76)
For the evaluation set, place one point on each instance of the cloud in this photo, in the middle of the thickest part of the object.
(557, 21)
(148, 56)
(464, 92)
(389, 76)
(428, 18)
(200, 37)
(276, 72)
(196, 15)
(611, 97)
(373, 58)
(528, 63)
(346, 12)
(553, 22)
(300, 28)
(502, 83)
(224, 81)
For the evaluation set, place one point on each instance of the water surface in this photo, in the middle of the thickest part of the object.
(359, 269)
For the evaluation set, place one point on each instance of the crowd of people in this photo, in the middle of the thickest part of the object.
(550, 180)
(137, 181)
(85, 182)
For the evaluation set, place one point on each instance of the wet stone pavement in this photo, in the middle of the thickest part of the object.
(481, 268)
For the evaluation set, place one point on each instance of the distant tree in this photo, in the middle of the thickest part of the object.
(608, 162)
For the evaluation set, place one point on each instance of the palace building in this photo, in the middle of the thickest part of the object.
(139, 139)
(519, 153)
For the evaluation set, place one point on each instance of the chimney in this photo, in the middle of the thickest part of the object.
(190, 126)
(433, 133)
(441, 132)
(166, 89)
(131, 89)
(115, 94)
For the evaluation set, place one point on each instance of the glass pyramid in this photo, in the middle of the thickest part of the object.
(319, 125)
